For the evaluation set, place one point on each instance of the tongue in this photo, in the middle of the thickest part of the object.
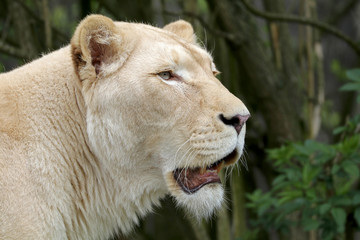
(191, 180)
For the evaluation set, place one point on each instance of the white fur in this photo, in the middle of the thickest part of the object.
(84, 155)
(203, 203)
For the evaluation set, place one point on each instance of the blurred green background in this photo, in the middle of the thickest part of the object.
(295, 64)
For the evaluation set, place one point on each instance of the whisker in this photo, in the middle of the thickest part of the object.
(244, 162)
(191, 156)
(177, 151)
(186, 153)
(184, 157)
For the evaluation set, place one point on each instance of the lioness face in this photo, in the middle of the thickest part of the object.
(156, 109)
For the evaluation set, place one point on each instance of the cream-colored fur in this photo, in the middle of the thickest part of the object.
(90, 133)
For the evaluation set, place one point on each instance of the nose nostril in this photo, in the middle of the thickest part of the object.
(236, 121)
(230, 121)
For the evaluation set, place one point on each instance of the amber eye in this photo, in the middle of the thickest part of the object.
(166, 75)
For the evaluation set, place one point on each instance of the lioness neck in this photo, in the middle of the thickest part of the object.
(67, 183)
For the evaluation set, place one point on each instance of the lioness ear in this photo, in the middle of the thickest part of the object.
(183, 29)
(94, 45)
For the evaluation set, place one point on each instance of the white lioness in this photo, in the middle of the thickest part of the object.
(94, 134)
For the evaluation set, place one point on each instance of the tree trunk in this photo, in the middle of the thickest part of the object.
(239, 227)
(278, 92)
(269, 77)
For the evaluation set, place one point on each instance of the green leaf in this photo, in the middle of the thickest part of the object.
(293, 174)
(279, 179)
(335, 169)
(338, 70)
(281, 155)
(339, 216)
(349, 145)
(324, 208)
(311, 194)
(303, 149)
(351, 169)
(341, 201)
(306, 173)
(315, 146)
(343, 188)
(353, 74)
(339, 130)
(350, 87)
(356, 199)
(309, 173)
(255, 196)
(311, 224)
(357, 216)
(264, 207)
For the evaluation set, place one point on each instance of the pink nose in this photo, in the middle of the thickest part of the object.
(236, 121)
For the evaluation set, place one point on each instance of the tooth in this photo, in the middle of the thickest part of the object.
(202, 170)
(220, 166)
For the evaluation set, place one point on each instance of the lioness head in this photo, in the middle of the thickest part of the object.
(155, 110)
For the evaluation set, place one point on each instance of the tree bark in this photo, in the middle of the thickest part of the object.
(239, 227)
(47, 23)
(277, 92)
(23, 30)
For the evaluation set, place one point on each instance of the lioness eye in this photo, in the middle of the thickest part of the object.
(165, 75)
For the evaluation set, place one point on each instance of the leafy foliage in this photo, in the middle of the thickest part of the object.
(316, 181)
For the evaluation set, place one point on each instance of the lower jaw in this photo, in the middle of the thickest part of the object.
(203, 203)
(190, 180)
(213, 180)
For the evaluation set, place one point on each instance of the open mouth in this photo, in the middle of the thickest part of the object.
(192, 179)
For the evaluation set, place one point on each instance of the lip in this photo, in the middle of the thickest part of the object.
(193, 179)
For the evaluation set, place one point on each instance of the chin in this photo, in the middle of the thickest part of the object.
(201, 204)
(204, 202)
(198, 189)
